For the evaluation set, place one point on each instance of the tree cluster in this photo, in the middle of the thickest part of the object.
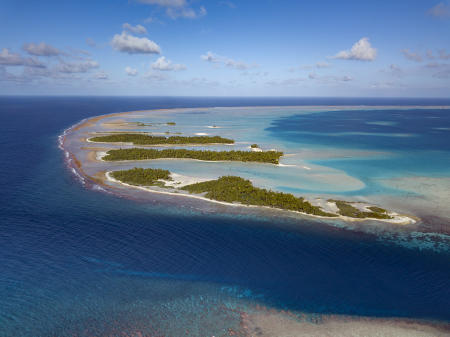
(348, 210)
(143, 139)
(140, 176)
(236, 189)
(143, 154)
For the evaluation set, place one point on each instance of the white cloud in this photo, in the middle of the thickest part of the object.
(134, 45)
(361, 51)
(166, 65)
(441, 10)
(41, 49)
(131, 71)
(138, 29)
(412, 56)
(77, 67)
(214, 58)
(13, 59)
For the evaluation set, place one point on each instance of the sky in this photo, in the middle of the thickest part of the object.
(395, 48)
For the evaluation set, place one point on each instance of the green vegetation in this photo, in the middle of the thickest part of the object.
(140, 176)
(236, 189)
(143, 139)
(377, 209)
(143, 154)
(254, 146)
(348, 210)
(171, 123)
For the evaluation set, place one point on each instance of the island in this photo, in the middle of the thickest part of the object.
(271, 157)
(144, 139)
(237, 190)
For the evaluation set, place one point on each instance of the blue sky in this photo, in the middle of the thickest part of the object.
(225, 48)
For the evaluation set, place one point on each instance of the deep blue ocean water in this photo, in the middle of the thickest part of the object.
(73, 258)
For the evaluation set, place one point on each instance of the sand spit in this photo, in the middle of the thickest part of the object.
(276, 324)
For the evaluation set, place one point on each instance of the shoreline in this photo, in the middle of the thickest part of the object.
(88, 140)
(403, 220)
(102, 154)
(89, 122)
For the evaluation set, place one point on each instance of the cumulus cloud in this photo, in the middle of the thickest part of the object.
(77, 67)
(134, 45)
(131, 71)
(166, 65)
(441, 10)
(228, 62)
(361, 51)
(41, 49)
(138, 29)
(412, 56)
(13, 59)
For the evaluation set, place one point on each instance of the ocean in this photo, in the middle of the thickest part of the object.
(76, 261)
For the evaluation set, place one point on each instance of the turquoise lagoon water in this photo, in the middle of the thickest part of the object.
(78, 261)
(340, 151)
